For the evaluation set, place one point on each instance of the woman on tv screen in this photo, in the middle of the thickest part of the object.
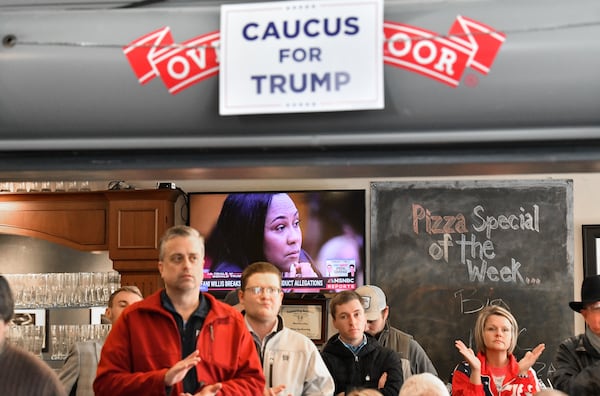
(259, 227)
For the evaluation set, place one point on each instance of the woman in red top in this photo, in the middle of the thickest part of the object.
(494, 371)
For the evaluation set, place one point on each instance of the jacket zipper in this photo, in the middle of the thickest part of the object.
(271, 372)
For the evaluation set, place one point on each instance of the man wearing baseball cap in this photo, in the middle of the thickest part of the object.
(413, 356)
(577, 361)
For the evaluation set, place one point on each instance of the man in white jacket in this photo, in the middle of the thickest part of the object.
(291, 362)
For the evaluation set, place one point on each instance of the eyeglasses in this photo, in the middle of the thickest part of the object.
(269, 291)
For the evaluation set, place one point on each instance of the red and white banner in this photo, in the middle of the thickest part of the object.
(442, 58)
(178, 65)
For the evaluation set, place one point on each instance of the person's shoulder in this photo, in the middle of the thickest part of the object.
(390, 354)
(41, 375)
(222, 309)
(153, 301)
(150, 304)
(372, 342)
(399, 333)
(29, 362)
(573, 341)
(297, 339)
(383, 352)
(88, 346)
(333, 344)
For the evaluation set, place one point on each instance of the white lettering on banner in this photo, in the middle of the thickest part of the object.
(422, 52)
(469, 44)
(192, 61)
(179, 66)
(221, 284)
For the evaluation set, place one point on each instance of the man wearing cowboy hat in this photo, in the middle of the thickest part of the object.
(577, 360)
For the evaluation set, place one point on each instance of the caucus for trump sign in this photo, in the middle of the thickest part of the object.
(301, 56)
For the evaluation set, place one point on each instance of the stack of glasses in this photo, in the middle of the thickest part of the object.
(69, 289)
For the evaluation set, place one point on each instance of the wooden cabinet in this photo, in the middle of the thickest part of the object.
(136, 222)
(127, 223)
(77, 220)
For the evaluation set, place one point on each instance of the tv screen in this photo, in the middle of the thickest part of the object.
(315, 238)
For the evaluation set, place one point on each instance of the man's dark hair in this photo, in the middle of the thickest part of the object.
(341, 298)
(239, 234)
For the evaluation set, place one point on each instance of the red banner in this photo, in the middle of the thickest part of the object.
(442, 58)
(469, 44)
(178, 65)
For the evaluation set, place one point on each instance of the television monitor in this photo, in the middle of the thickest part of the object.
(331, 224)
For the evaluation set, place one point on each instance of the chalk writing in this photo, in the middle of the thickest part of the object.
(523, 221)
(470, 306)
(444, 250)
(437, 224)
(476, 254)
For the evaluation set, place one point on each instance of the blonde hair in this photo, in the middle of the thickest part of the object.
(423, 384)
(480, 326)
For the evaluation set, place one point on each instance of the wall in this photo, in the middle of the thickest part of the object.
(586, 189)
(23, 255)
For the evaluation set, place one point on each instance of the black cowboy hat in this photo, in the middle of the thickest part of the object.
(590, 293)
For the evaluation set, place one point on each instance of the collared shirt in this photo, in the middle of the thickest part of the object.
(261, 344)
(188, 331)
(355, 349)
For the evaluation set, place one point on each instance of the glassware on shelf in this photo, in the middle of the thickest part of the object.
(64, 336)
(66, 289)
(28, 337)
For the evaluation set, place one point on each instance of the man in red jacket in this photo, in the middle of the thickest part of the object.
(178, 340)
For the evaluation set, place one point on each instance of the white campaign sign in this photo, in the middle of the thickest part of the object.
(301, 56)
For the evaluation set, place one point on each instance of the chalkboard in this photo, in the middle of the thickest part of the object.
(441, 251)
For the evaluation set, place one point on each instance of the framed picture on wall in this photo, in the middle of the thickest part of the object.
(33, 317)
(307, 316)
(591, 249)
